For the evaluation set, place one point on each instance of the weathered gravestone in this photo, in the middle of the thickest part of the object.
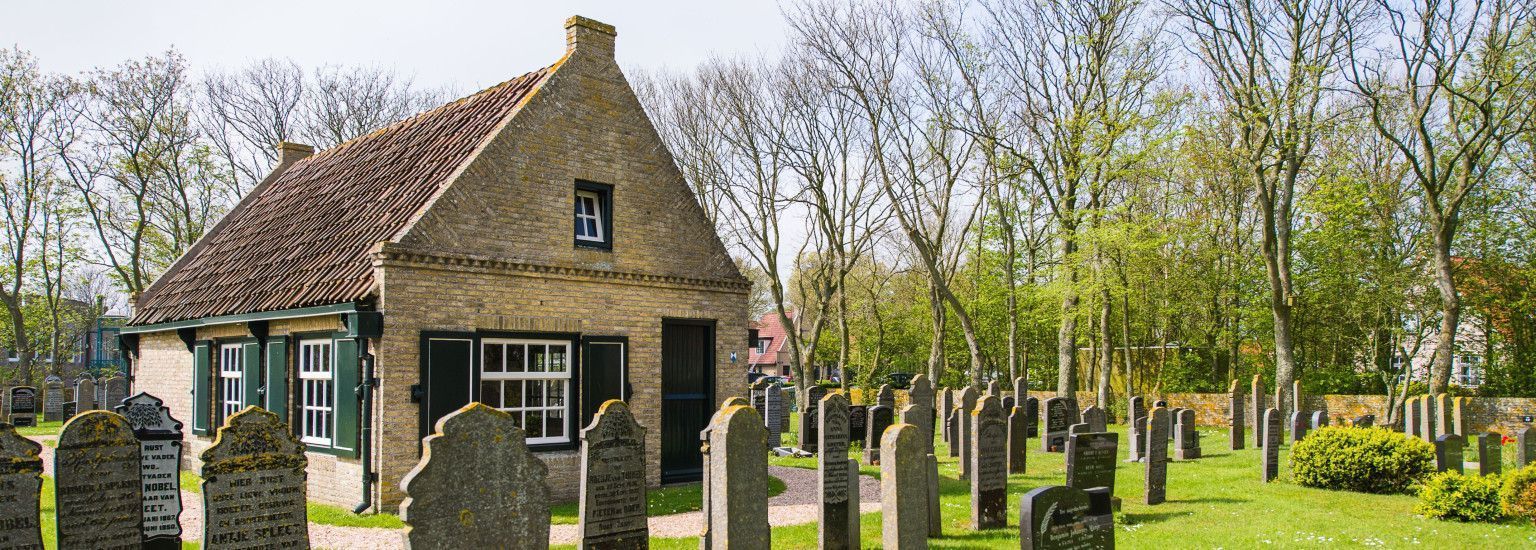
(1235, 416)
(159, 438)
(1056, 517)
(1057, 421)
(1444, 415)
(1136, 413)
(254, 484)
(995, 389)
(757, 394)
(85, 394)
(115, 389)
(966, 403)
(935, 515)
(1319, 420)
(1271, 444)
(773, 411)
(612, 502)
(23, 407)
(1096, 419)
(1091, 460)
(1186, 441)
(786, 402)
(833, 484)
(903, 488)
(67, 410)
(1258, 408)
(476, 486)
(946, 405)
(1018, 440)
(1460, 412)
(1009, 402)
(53, 399)
(1525, 446)
(1427, 416)
(1490, 455)
(1412, 410)
(886, 395)
(1137, 450)
(1448, 452)
(1363, 421)
(808, 421)
(952, 431)
(1078, 428)
(705, 540)
(989, 465)
(858, 422)
(99, 495)
(1173, 420)
(880, 418)
(1157, 455)
(21, 478)
(736, 513)
(1298, 426)
(1031, 416)
(920, 405)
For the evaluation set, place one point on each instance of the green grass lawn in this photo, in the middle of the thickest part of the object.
(42, 428)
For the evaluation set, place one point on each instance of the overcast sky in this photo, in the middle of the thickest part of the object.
(463, 46)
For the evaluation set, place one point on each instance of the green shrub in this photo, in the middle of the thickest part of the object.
(1454, 495)
(1365, 460)
(1518, 496)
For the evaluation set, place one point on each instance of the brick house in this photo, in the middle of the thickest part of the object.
(532, 246)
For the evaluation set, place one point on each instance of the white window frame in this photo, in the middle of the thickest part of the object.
(317, 413)
(762, 345)
(231, 380)
(595, 216)
(566, 408)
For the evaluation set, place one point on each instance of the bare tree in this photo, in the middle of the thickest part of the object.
(247, 112)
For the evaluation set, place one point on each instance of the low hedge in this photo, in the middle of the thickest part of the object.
(1518, 496)
(1458, 496)
(1365, 460)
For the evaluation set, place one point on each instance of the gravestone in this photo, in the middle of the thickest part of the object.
(903, 488)
(1096, 419)
(1258, 408)
(159, 438)
(737, 512)
(1138, 436)
(99, 495)
(1136, 414)
(1009, 403)
(254, 484)
(858, 422)
(1271, 444)
(1448, 452)
(21, 475)
(67, 410)
(886, 396)
(1458, 419)
(85, 395)
(1490, 455)
(1427, 416)
(952, 431)
(1297, 402)
(1364, 421)
(1079, 428)
(1173, 420)
(995, 389)
(1298, 426)
(946, 404)
(1091, 460)
(1235, 416)
(1444, 415)
(23, 406)
(966, 403)
(476, 485)
(880, 418)
(832, 474)
(757, 394)
(920, 403)
(1056, 517)
(1057, 420)
(786, 402)
(989, 465)
(1157, 455)
(115, 388)
(935, 515)
(1186, 441)
(1032, 416)
(1411, 417)
(1525, 447)
(53, 399)
(773, 412)
(613, 463)
(1319, 420)
(1018, 440)
(809, 423)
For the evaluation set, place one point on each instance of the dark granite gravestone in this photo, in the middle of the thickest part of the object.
(1059, 518)
(612, 510)
(1136, 411)
(886, 395)
(67, 410)
(1271, 446)
(1525, 446)
(159, 438)
(476, 486)
(1057, 420)
(115, 388)
(21, 475)
(53, 399)
(808, 421)
(254, 484)
(1096, 419)
(1173, 420)
(946, 405)
(1363, 421)
(903, 488)
(1079, 428)
(23, 406)
(737, 510)
(1018, 440)
(1411, 420)
(833, 485)
(966, 403)
(1138, 436)
(858, 422)
(1091, 459)
(1490, 453)
(1235, 418)
(1258, 408)
(773, 411)
(880, 418)
(99, 495)
(1319, 420)
(1009, 402)
(1032, 416)
(757, 394)
(952, 431)
(85, 395)
(920, 403)
(1448, 452)
(1157, 455)
(989, 465)
(1186, 441)
(1298, 426)
(786, 403)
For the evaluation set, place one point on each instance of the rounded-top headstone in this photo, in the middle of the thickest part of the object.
(99, 494)
(21, 474)
(613, 510)
(254, 484)
(476, 486)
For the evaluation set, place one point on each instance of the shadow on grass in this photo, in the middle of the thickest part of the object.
(1131, 519)
(1220, 500)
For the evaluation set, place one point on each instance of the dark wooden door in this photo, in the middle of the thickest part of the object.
(447, 376)
(603, 375)
(687, 392)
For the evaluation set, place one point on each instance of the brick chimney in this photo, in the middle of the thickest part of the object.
(289, 152)
(588, 35)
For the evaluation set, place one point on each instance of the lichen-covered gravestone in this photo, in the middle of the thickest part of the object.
(23, 407)
(1157, 455)
(1096, 419)
(1186, 441)
(159, 438)
(1525, 446)
(880, 418)
(1490, 456)
(115, 389)
(832, 475)
(612, 504)
(1018, 440)
(1091, 460)
(21, 482)
(965, 404)
(903, 488)
(85, 394)
(254, 484)
(921, 407)
(1271, 444)
(989, 465)
(477, 486)
(1448, 452)
(737, 512)
(53, 399)
(1235, 416)
(1056, 517)
(99, 495)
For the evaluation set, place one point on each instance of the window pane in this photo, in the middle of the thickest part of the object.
(557, 359)
(514, 393)
(556, 392)
(534, 424)
(491, 358)
(591, 227)
(535, 394)
(538, 359)
(554, 424)
(515, 358)
(490, 393)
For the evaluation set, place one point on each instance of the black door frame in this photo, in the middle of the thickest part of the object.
(709, 386)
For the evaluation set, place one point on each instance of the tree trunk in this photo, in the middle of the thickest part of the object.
(936, 348)
(1107, 349)
(1066, 335)
(1450, 308)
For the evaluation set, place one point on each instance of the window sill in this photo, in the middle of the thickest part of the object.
(593, 245)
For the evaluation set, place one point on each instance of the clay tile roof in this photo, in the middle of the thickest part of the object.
(303, 238)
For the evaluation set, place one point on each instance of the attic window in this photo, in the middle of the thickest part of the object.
(594, 215)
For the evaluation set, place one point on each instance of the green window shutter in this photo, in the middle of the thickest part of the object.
(347, 425)
(250, 375)
(277, 376)
(202, 398)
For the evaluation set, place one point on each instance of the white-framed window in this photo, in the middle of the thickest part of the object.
(317, 391)
(589, 216)
(762, 345)
(1468, 369)
(231, 380)
(531, 380)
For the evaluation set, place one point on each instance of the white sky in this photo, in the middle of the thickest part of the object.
(463, 46)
